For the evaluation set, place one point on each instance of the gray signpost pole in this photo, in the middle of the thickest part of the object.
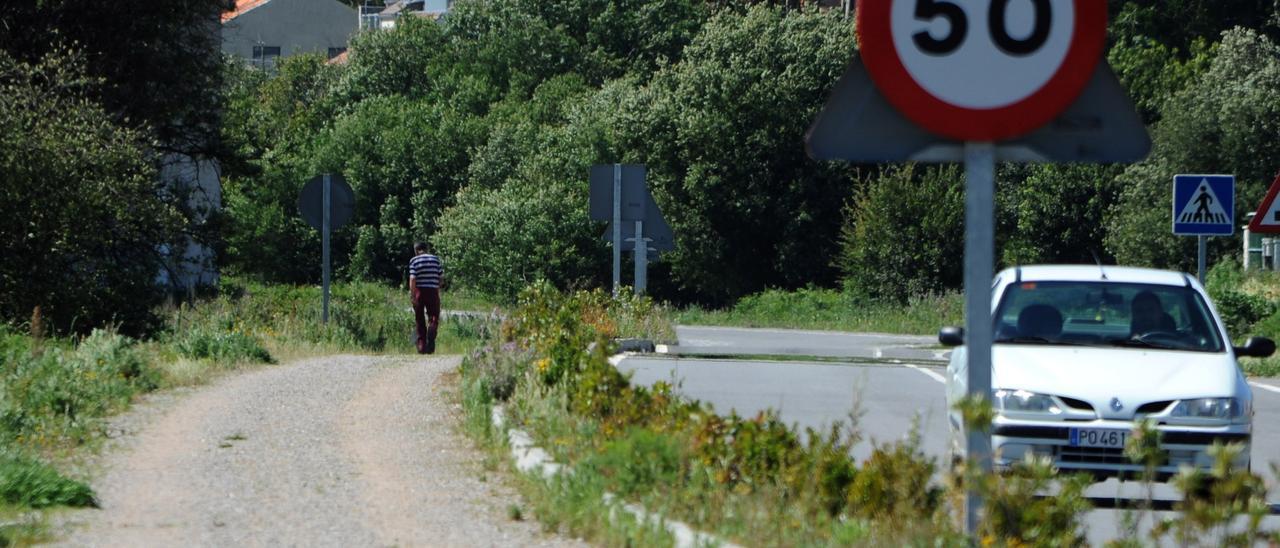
(617, 227)
(1202, 253)
(642, 259)
(979, 252)
(324, 239)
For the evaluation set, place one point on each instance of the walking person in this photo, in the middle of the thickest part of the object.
(426, 273)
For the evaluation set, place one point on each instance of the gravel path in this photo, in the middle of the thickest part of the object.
(336, 451)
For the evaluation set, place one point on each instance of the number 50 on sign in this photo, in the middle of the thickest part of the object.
(981, 70)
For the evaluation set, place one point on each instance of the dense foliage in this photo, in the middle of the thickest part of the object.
(477, 133)
(905, 234)
(156, 62)
(95, 98)
(83, 213)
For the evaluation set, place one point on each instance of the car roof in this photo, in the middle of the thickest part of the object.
(1115, 274)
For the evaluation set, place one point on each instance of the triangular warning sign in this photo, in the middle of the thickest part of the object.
(1204, 207)
(1267, 218)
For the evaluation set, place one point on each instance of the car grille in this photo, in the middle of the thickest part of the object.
(1098, 455)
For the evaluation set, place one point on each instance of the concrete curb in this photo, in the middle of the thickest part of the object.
(531, 459)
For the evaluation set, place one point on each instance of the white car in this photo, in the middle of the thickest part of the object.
(1081, 353)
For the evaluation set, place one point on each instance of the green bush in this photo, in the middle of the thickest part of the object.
(638, 461)
(904, 235)
(1017, 513)
(28, 483)
(60, 393)
(206, 342)
(499, 241)
(893, 484)
(834, 310)
(1240, 310)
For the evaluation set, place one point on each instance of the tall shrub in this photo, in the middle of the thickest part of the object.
(904, 234)
(84, 216)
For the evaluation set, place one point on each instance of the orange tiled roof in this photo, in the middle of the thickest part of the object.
(339, 59)
(241, 7)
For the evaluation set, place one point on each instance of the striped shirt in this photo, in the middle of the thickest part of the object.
(426, 270)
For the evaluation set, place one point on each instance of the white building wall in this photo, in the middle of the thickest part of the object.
(197, 179)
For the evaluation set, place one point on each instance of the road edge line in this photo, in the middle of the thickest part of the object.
(1266, 387)
(927, 372)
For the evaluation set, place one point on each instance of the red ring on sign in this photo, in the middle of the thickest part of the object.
(880, 56)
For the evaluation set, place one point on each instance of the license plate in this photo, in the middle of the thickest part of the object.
(1098, 437)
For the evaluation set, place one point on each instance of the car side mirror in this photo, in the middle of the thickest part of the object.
(1256, 347)
(954, 336)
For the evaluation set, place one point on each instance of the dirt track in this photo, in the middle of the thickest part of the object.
(335, 451)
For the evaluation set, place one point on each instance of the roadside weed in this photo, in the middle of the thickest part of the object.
(26, 482)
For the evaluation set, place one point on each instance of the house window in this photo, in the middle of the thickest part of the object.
(334, 52)
(265, 57)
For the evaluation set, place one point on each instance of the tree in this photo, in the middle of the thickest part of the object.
(85, 219)
(523, 215)
(156, 63)
(1178, 23)
(1225, 121)
(622, 37)
(903, 235)
(723, 135)
(271, 125)
(405, 160)
(1059, 214)
(398, 61)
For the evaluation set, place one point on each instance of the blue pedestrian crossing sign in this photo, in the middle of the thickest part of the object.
(1204, 205)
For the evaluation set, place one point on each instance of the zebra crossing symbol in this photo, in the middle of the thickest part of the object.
(1204, 205)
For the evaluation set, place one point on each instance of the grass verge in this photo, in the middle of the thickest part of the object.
(753, 480)
(827, 309)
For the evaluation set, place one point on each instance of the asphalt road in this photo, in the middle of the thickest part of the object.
(719, 341)
(889, 393)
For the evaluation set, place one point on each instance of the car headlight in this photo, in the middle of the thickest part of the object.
(1022, 401)
(1209, 408)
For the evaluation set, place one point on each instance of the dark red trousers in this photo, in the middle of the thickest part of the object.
(426, 302)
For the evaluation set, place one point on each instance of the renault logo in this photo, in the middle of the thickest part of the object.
(1116, 405)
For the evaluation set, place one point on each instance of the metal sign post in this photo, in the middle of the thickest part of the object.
(617, 227)
(619, 195)
(642, 258)
(324, 239)
(1202, 253)
(326, 203)
(979, 253)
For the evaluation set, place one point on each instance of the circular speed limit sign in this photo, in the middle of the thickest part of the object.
(981, 70)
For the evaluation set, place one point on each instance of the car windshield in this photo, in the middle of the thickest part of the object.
(1106, 314)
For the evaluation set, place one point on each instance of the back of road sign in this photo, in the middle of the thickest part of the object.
(342, 201)
(1267, 219)
(859, 125)
(1204, 205)
(600, 204)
